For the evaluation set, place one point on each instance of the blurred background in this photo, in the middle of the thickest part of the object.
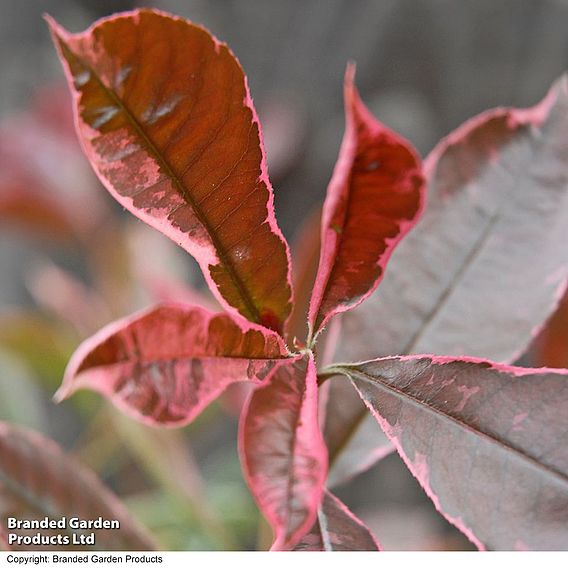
(71, 260)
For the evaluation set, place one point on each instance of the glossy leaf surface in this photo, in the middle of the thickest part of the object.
(488, 261)
(37, 479)
(485, 441)
(337, 529)
(164, 365)
(166, 119)
(283, 454)
(373, 199)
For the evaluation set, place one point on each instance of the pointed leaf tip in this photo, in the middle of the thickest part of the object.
(165, 117)
(373, 199)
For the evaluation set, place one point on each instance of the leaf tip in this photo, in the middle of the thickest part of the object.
(56, 30)
(349, 80)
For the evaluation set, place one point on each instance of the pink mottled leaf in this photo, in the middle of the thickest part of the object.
(165, 117)
(165, 364)
(283, 454)
(487, 264)
(373, 199)
(37, 480)
(486, 441)
(337, 529)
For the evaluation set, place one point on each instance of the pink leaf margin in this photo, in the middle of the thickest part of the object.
(418, 467)
(330, 239)
(97, 379)
(516, 117)
(309, 431)
(204, 257)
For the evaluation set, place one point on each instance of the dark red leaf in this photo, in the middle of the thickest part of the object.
(373, 199)
(164, 365)
(37, 479)
(487, 442)
(283, 454)
(166, 119)
(337, 529)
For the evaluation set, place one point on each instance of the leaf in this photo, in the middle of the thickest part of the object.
(166, 119)
(351, 451)
(166, 364)
(488, 262)
(486, 442)
(37, 479)
(373, 200)
(283, 454)
(337, 529)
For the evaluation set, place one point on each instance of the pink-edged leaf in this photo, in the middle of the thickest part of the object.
(37, 480)
(351, 450)
(488, 262)
(337, 529)
(165, 364)
(373, 199)
(283, 454)
(165, 117)
(486, 441)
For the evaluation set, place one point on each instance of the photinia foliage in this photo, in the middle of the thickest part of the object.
(164, 115)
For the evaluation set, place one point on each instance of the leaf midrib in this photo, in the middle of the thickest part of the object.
(164, 164)
(522, 455)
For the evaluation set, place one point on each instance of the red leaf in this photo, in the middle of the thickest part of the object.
(337, 529)
(164, 365)
(373, 200)
(283, 454)
(165, 117)
(485, 441)
(488, 262)
(38, 479)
